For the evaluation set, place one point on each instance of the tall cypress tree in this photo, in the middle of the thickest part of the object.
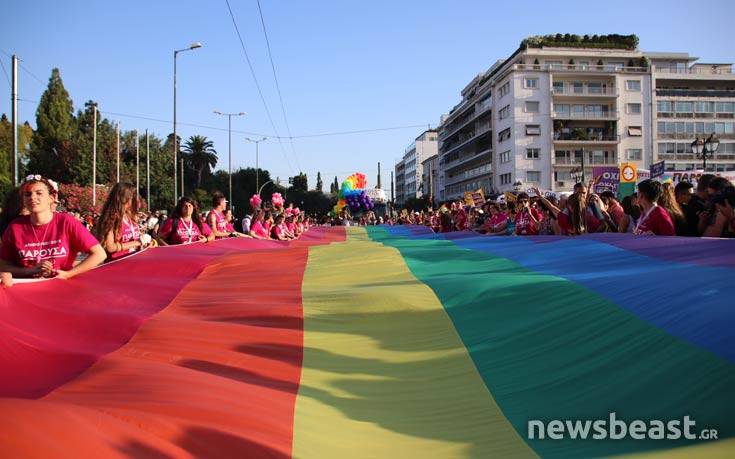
(336, 185)
(51, 150)
(319, 184)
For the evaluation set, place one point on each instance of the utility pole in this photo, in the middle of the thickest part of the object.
(94, 158)
(182, 178)
(137, 163)
(378, 176)
(147, 170)
(14, 116)
(118, 152)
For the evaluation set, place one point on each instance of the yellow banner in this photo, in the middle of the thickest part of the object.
(628, 173)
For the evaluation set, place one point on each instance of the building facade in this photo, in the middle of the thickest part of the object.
(410, 168)
(430, 177)
(547, 115)
(400, 183)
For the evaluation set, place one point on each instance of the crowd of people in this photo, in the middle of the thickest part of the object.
(41, 240)
(654, 209)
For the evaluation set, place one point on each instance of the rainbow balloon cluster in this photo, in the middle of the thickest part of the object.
(352, 194)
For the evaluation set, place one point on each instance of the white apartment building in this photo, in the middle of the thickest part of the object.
(411, 168)
(400, 183)
(547, 113)
(689, 100)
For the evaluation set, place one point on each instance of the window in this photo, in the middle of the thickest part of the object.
(504, 89)
(531, 83)
(634, 109)
(504, 112)
(554, 65)
(578, 87)
(635, 131)
(561, 108)
(558, 87)
(532, 153)
(505, 157)
(665, 106)
(635, 154)
(633, 85)
(724, 107)
(704, 107)
(505, 179)
(684, 107)
(533, 176)
(532, 107)
(594, 87)
(533, 129)
(504, 135)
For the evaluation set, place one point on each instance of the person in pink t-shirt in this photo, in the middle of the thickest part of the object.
(185, 225)
(116, 227)
(230, 227)
(44, 243)
(257, 228)
(654, 220)
(279, 231)
(216, 217)
(528, 218)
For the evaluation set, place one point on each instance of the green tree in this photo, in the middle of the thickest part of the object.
(319, 184)
(300, 183)
(25, 136)
(336, 185)
(51, 150)
(200, 156)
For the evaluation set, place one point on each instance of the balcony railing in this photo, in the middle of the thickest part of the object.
(578, 137)
(690, 136)
(696, 70)
(585, 115)
(588, 161)
(572, 91)
(695, 93)
(581, 68)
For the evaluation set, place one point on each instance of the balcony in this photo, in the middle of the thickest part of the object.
(609, 115)
(571, 91)
(590, 160)
(695, 92)
(583, 137)
(697, 70)
(581, 68)
(451, 165)
(690, 136)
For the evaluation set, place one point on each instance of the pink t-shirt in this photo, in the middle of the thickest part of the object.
(291, 227)
(128, 232)
(185, 233)
(496, 219)
(219, 219)
(524, 223)
(259, 230)
(229, 227)
(657, 221)
(277, 231)
(58, 241)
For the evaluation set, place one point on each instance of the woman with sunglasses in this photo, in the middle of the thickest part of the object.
(45, 243)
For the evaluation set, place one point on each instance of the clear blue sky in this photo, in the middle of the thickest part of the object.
(342, 65)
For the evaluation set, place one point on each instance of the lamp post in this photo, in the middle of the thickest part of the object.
(176, 146)
(257, 171)
(705, 148)
(229, 148)
(263, 186)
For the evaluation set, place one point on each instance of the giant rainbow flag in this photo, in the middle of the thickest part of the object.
(379, 342)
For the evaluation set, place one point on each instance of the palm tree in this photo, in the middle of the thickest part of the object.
(199, 155)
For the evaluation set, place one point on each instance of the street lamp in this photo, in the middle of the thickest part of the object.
(256, 142)
(176, 146)
(705, 148)
(229, 147)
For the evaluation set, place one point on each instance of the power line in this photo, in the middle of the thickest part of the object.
(6, 73)
(40, 81)
(257, 85)
(259, 134)
(278, 86)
